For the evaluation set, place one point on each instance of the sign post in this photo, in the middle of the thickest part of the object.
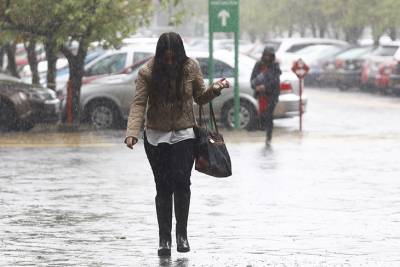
(301, 69)
(224, 17)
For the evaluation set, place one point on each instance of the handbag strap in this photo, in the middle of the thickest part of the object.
(212, 117)
(213, 120)
(201, 118)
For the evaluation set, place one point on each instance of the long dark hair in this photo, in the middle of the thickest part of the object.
(167, 80)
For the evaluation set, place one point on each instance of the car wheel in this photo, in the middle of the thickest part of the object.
(247, 115)
(8, 117)
(103, 115)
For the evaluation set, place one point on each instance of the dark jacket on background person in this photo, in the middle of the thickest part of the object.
(269, 76)
(163, 115)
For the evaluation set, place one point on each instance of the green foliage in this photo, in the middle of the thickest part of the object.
(61, 22)
(347, 18)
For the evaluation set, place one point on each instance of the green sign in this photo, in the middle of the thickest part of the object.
(224, 15)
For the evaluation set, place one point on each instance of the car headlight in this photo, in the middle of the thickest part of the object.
(42, 95)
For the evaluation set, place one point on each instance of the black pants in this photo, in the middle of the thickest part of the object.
(268, 119)
(172, 166)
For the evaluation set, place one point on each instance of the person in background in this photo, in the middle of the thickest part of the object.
(265, 80)
(165, 89)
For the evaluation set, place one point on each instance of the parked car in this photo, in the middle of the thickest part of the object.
(62, 69)
(26, 74)
(291, 45)
(382, 78)
(43, 103)
(106, 101)
(112, 61)
(203, 45)
(394, 79)
(224, 67)
(315, 56)
(15, 108)
(384, 54)
(344, 70)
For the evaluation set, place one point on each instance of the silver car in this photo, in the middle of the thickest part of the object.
(105, 102)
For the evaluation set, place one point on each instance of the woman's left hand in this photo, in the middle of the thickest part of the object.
(223, 83)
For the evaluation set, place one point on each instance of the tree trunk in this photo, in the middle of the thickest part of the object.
(352, 34)
(393, 33)
(32, 60)
(253, 36)
(51, 56)
(322, 32)
(313, 30)
(76, 67)
(302, 30)
(290, 31)
(1, 57)
(12, 65)
(376, 40)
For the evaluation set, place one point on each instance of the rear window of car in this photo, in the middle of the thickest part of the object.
(272, 44)
(139, 56)
(297, 47)
(385, 51)
(354, 53)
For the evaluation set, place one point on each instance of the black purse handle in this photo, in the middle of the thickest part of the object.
(212, 117)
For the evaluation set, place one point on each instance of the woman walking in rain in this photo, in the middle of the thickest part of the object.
(265, 80)
(165, 89)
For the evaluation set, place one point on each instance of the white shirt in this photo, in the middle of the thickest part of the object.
(155, 137)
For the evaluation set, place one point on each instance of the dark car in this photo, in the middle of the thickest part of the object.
(347, 67)
(43, 104)
(394, 79)
(15, 109)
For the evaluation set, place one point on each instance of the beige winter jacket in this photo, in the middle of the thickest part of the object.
(166, 116)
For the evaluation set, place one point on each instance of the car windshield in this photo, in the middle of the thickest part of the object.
(327, 53)
(354, 53)
(314, 49)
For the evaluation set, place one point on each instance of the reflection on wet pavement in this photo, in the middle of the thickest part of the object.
(327, 197)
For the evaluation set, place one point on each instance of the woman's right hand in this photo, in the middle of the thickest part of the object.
(130, 141)
(260, 89)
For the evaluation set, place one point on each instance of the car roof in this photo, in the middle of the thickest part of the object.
(389, 43)
(133, 48)
(306, 40)
(6, 77)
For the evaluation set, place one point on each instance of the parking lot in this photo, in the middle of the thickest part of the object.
(326, 197)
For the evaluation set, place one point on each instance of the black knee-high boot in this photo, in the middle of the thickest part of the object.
(164, 217)
(182, 203)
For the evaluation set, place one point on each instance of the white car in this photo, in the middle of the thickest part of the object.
(26, 74)
(111, 62)
(291, 45)
(106, 101)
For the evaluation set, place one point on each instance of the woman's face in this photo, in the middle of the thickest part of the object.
(168, 57)
(267, 58)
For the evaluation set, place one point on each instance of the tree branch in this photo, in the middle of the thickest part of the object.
(67, 53)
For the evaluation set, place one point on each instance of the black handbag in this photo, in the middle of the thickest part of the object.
(211, 156)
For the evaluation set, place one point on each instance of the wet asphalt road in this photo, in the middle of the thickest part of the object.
(327, 197)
